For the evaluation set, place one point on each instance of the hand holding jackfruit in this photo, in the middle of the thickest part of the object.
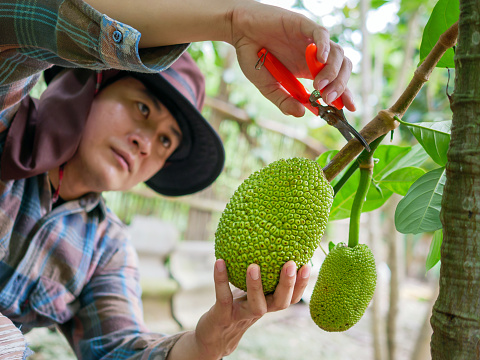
(277, 214)
(344, 288)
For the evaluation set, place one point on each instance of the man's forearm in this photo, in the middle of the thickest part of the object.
(187, 348)
(172, 22)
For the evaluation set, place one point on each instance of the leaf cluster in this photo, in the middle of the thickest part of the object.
(398, 168)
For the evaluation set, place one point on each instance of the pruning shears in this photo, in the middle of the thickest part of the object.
(333, 115)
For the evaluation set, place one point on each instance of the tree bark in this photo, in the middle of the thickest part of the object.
(456, 314)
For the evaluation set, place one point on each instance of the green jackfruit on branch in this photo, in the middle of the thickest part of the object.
(344, 288)
(277, 214)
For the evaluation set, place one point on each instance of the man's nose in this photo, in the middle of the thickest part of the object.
(142, 141)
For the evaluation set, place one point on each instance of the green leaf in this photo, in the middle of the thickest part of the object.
(375, 4)
(390, 158)
(419, 210)
(331, 245)
(444, 14)
(433, 256)
(326, 157)
(399, 181)
(415, 157)
(434, 136)
(342, 204)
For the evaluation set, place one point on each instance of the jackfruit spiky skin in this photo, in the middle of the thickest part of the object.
(344, 287)
(277, 214)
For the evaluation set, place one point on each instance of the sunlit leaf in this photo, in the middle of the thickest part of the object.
(326, 157)
(444, 14)
(399, 181)
(419, 210)
(331, 245)
(388, 156)
(375, 4)
(415, 157)
(433, 256)
(389, 159)
(434, 136)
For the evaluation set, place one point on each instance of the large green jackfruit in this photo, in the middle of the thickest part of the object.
(277, 214)
(344, 288)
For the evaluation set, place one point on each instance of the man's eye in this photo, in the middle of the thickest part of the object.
(165, 140)
(144, 109)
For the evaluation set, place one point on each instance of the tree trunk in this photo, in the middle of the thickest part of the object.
(456, 315)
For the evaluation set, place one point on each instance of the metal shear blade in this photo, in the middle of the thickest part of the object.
(337, 119)
(333, 115)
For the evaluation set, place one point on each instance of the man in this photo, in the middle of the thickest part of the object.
(65, 258)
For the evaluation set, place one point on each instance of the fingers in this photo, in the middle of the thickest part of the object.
(282, 297)
(333, 78)
(285, 102)
(256, 299)
(347, 98)
(288, 291)
(321, 38)
(223, 294)
(274, 92)
(302, 280)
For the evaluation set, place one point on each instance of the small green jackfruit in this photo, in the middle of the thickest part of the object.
(344, 287)
(277, 214)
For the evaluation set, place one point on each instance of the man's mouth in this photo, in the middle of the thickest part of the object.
(124, 158)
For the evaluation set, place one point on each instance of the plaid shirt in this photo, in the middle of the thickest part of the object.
(72, 265)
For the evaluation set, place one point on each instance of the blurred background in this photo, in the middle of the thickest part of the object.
(175, 236)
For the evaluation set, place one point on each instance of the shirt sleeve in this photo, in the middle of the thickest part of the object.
(70, 33)
(109, 323)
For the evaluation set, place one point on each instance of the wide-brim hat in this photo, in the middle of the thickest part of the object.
(199, 159)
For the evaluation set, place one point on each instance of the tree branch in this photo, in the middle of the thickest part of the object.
(384, 121)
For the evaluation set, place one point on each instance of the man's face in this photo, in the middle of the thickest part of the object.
(128, 136)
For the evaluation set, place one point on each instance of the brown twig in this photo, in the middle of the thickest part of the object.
(384, 121)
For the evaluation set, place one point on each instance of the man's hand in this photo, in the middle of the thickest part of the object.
(286, 35)
(219, 330)
(249, 26)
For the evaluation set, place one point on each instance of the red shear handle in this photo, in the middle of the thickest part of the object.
(286, 79)
(315, 66)
(284, 76)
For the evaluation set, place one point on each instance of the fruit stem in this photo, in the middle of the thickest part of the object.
(366, 172)
(364, 155)
(323, 250)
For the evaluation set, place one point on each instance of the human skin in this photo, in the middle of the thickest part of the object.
(248, 26)
(129, 134)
